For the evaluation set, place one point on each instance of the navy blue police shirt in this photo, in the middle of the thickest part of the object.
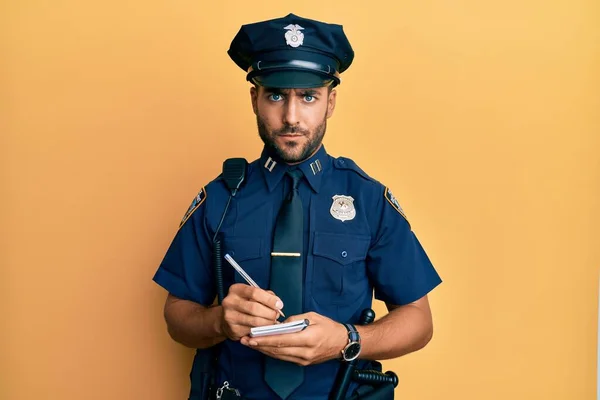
(357, 240)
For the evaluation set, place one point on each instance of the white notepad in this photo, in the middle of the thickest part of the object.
(278, 329)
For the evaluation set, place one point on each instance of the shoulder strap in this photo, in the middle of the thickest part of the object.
(348, 164)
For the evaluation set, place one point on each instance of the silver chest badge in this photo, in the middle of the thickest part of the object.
(343, 208)
(293, 37)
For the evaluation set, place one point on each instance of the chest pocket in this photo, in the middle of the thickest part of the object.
(249, 253)
(339, 270)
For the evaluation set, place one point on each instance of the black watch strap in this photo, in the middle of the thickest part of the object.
(352, 333)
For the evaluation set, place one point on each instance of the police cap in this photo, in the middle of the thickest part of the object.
(292, 52)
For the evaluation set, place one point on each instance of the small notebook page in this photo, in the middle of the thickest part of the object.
(277, 329)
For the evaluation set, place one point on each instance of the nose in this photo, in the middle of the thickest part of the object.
(290, 114)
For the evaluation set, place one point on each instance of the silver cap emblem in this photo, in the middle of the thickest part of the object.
(343, 208)
(294, 37)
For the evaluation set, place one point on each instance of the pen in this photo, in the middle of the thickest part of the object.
(244, 275)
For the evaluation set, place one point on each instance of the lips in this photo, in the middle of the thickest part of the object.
(290, 135)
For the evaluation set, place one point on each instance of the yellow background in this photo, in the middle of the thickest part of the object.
(482, 116)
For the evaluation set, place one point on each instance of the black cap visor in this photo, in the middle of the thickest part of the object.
(291, 80)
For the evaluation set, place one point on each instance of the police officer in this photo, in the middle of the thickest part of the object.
(316, 233)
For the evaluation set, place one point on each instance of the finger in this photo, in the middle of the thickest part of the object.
(297, 355)
(298, 317)
(311, 317)
(268, 298)
(235, 317)
(237, 300)
(299, 339)
(258, 310)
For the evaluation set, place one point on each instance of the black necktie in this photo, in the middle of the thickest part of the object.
(286, 281)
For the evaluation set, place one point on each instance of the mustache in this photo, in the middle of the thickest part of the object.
(288, 129)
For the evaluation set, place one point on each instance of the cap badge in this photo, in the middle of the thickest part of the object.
(343, 208)
(293, 37)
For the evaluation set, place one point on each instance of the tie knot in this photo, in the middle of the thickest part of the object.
(296, 176)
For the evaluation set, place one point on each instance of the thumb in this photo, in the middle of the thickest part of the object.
(310, 316)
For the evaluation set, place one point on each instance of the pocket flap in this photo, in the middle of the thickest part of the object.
(344, 249)
(241, 248)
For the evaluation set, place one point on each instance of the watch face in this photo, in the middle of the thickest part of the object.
(352, 351)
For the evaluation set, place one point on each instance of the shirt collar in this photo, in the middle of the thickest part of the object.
(313, 168)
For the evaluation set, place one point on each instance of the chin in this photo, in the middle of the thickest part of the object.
(291, 158)
(290, 153)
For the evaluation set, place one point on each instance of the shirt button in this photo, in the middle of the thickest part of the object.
(344, 254)
(232, 253)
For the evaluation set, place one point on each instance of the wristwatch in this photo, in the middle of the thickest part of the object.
(352, 349)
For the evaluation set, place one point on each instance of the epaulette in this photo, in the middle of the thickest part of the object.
(346, 163)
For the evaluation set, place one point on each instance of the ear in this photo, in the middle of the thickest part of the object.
(331, 103)
(254, 99)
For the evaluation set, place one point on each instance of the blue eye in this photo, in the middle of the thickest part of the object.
(275, 97)
(309, 98)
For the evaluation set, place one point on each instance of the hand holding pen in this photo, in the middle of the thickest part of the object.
(247, 306)
(245, 275)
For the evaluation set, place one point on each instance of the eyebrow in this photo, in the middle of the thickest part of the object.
(308, 92)
(275, 90)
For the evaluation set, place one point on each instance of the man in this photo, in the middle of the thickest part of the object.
(316, 234)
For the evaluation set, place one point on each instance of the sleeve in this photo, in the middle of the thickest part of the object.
(400, 270)
(186, 270)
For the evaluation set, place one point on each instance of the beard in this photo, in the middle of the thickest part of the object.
(314, 140)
